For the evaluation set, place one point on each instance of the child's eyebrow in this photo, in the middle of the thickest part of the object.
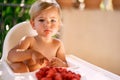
(40, 17)
(53, 17)
(49, 17)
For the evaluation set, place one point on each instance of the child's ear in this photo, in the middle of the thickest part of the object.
(32, 23)
(61, 25)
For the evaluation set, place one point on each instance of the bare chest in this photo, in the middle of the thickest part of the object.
(49, 51)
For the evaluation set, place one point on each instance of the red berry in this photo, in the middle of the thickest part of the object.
(50, 73)
(58, 76)
(45, 78)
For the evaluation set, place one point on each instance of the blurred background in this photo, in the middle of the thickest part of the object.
(91, 28)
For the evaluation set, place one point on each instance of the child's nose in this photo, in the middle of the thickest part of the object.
(48, 24)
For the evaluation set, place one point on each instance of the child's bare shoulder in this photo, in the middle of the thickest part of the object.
(27, 39)
(57, 41)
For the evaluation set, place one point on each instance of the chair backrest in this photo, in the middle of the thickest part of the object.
(15, 34)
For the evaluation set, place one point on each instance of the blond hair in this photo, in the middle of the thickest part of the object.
(39, 6)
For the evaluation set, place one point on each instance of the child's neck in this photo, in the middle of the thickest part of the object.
(45, 39)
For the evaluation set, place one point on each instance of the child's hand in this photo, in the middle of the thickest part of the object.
(35, 58)
(56, 62)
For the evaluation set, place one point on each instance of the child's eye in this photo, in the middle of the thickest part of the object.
(53, 20)
(41, 20)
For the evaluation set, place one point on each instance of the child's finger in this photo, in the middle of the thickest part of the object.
(53, 59)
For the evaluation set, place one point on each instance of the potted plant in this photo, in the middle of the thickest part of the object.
(66, 3)
(116, 4)
(92, 4)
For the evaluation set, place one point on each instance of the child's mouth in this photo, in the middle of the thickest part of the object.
(47, 31)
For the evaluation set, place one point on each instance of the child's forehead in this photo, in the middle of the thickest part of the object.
(49, 11)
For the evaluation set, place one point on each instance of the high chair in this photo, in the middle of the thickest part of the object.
(88, 71)
(12, 38)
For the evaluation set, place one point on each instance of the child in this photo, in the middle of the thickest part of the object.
(34, 52)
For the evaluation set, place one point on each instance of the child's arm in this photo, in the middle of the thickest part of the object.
(59, 60)
(21, 51)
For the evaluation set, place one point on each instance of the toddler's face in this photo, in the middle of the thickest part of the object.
(47, 22)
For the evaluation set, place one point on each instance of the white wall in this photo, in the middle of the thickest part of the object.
(93, 36)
